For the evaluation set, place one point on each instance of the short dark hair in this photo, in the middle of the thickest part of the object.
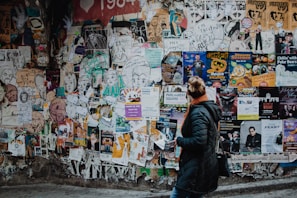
(252, 127)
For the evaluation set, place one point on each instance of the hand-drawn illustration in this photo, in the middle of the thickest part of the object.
(209, 35)
(259, 38)
(119, 49)
(113, 83)
(7, 73)
(257, 11)
(83, 84)
(136, 72)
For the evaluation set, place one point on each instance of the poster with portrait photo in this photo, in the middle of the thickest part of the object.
(230, 135)
(194, 65)
(287, 102)
(250, 133)
(272, 135)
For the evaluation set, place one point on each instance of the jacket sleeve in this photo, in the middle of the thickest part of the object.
(199, 127)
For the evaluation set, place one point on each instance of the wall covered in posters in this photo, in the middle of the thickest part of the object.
(108, 89)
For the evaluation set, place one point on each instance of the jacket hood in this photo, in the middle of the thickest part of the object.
(213, 109)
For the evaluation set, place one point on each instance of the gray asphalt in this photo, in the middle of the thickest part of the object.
(275, 188)
(63, 191)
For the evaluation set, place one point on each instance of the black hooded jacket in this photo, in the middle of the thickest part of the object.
(198, 162)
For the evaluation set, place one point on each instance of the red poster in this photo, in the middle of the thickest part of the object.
(102, 9)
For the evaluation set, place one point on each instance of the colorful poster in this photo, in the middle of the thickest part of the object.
(272, 133)
(121, 148)
(228, 99)
(290, 135)
(269, 102)
(194, 65)
(286, 70)
(121, 124)
(263, 63)
(217, 69)
(240, 68)
(287, 102)
(264, 80)
(133, 111)
(172, 70)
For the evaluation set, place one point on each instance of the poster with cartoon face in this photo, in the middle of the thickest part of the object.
(217, 68)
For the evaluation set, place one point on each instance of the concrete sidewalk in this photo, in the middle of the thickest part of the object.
(62, 191)
(255, 187)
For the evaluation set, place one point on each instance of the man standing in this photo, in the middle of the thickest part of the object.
(253, 140)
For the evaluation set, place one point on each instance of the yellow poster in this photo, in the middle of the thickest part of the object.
(264, 80)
